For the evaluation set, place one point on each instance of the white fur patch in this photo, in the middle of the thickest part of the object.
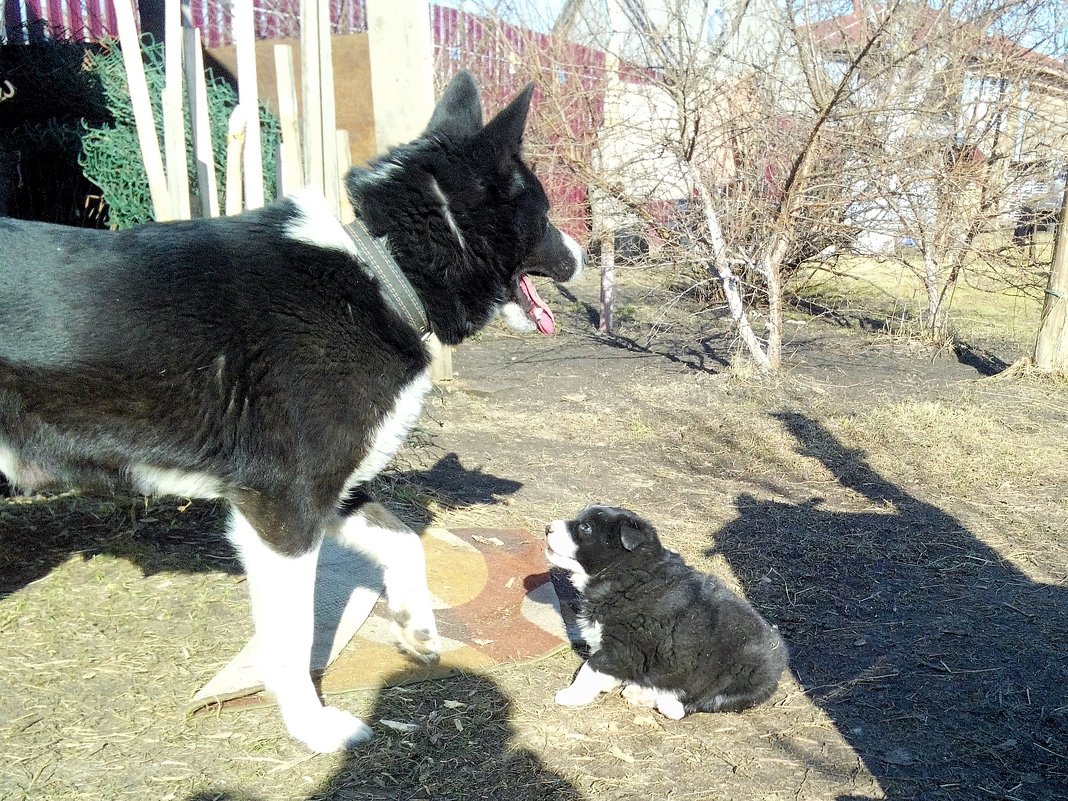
(315, 223)
(516, 319)
(448, 214)
(393, 430)
(561, 553)
(149, 480)
(576, 253)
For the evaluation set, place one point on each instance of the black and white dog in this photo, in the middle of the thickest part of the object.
(676, 639)
(260, 359)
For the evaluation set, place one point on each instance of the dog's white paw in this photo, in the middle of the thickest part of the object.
(569, 696)
(329, 729)
(417, 636)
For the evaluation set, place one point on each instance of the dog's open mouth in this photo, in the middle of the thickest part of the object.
(537, 310)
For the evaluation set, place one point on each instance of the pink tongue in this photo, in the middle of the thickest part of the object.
(539, 311)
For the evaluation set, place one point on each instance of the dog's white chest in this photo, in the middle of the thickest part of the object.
(393, 430)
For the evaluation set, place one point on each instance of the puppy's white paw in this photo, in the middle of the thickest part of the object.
(670, 707)
(417, 636)
(569, 696)
(640, 696)
(329, 729)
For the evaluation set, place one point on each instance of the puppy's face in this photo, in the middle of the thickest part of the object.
(598, 537)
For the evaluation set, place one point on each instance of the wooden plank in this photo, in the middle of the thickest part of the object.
(313, 109)
(1051, 348)
(245, 40)
(174, 113)
(331, 184)
(235, 146)
(200, 124)
(291, 167)
(142, 109)
(344, 162)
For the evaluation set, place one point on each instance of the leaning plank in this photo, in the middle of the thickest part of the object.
(235, 145)
(200, 124)
(331, 184)
(173, 113)
(245, 39)
(344, 162)
(142, 109)
(313, 109)
(290, 172)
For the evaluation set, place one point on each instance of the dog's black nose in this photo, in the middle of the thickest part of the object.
(547, 527)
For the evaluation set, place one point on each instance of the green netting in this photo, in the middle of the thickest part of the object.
(111, 155)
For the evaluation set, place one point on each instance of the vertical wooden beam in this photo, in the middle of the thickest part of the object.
(200, 124)
(344, 162)
(401, 51)
(245, 39)
(173, 112)
(235, 146)
(1051, 348)
(142, 109)
(331, 183)
(313, 108)
(291, 167)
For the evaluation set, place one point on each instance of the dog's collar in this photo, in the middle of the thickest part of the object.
(379, 264)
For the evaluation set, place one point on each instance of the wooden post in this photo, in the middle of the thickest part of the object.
(174, 114)
(235, 146)
(344, 161)
(200, 124)
(245, 39)
(1051, 348)
(291, 168)
(331, 181)
(401, 51)
(313, 108)
(142, 109)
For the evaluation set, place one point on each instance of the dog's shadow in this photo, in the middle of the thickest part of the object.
(460, 744)
(169, 534)
(940, 662)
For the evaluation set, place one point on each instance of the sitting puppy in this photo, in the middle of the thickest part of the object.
(678, 640)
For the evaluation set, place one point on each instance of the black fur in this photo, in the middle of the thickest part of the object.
(226, 348)
(666, 625)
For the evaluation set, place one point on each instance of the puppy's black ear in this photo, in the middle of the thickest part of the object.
(502, 138)
(459, 110)
(634, 532)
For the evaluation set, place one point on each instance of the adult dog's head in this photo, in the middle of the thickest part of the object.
(465, 216)
(599, 537)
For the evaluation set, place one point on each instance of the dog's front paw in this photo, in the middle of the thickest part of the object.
(670, 708)
(329, 729)
(417, 636)
(569, 696)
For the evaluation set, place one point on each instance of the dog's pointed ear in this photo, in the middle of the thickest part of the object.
(502, 138)
(635, 532)
(459, 109)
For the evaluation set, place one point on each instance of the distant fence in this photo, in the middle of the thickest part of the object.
(502, 57)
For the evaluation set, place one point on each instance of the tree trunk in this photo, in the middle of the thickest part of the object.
(608, 281)
(1051, 348)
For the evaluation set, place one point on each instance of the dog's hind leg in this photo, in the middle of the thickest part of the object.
(282, 589)
(371, 530)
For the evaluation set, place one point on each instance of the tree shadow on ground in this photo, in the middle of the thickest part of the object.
(169, 534)
(461, 745)
(939, 662)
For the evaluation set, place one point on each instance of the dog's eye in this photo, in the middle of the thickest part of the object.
(584, 528)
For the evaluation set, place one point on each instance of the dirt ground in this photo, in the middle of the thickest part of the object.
(901, 518)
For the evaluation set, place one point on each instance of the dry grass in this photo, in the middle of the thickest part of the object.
(890, 521)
